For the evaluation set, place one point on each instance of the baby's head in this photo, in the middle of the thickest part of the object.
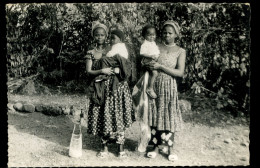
(149, 33)
(117, 36)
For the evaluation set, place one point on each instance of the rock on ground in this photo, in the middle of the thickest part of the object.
(29, 108)
(228, 141)
(38, 108)
(18, 106)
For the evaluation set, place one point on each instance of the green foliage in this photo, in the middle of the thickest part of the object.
(53, 38)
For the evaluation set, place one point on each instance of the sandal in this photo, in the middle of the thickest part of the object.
(102, 154)
(172, 157)
(152, 154)
(122, 154)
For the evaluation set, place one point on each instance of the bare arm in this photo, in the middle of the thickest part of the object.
(178, 72)
(89, 69)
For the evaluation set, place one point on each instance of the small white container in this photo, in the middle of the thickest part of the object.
(75, 149)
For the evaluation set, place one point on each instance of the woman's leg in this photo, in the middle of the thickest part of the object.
(104, 142)
(120, 140)
(168, 139)
(155, 140)
(104, 149)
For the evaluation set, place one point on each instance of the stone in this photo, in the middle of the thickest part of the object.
(54, 111)
(39, 108)
(245, 144)
(228, 141)
(10, 106)
(47, 110)
(66, 111)
(18, 106)
(243, 158)
(29, 108)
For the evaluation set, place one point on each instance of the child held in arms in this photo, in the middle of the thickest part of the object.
(150, 53)
(117, 60)
(118, 48)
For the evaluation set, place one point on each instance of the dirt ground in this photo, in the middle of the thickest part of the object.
(38, 140)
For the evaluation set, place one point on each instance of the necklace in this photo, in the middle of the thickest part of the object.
(172, 45)
(99, 50)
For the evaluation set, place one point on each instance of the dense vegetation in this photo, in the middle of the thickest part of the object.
(51, 40)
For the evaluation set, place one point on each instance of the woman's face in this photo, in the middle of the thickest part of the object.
(100, 36)
(169, 34)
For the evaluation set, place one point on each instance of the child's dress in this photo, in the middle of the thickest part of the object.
(149, 48)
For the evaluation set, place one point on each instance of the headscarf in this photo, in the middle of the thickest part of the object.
(175, 25)
(97, 24)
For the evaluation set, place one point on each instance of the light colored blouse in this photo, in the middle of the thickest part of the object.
(149, 48)
(120, 49)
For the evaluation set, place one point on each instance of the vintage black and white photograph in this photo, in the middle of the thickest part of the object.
(128, 84)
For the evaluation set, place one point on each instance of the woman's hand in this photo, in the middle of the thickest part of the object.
(154, 66)
(116, 70)
(107, 71)
(90, 53)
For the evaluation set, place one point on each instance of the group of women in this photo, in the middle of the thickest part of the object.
(120, 108)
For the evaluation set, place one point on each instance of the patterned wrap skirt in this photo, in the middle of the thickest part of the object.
(115, 115)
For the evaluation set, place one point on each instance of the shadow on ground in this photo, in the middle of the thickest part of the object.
(58, 129)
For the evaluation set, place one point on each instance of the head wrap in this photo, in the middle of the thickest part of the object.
(97, 24)
(119, 34)
(174, 24)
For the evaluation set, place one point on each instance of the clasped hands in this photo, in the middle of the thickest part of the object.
(153, 66)
(110, 71)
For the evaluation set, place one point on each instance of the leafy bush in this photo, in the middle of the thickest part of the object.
(53, 38)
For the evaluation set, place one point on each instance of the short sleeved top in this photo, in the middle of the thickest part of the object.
(149, 48)
(98, 53)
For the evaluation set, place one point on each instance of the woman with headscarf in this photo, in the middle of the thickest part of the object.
(161, 118)
(109, 119)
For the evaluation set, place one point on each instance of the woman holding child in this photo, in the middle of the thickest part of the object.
(111, 112)
(160, 112)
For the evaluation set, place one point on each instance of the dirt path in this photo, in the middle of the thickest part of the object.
(38, 140)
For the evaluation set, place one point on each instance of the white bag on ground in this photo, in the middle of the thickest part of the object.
(75, 149)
